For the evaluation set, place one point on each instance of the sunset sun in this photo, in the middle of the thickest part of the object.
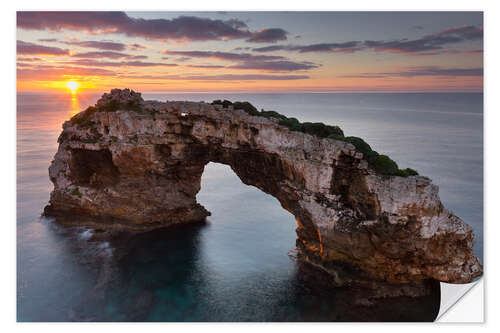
(72, 85)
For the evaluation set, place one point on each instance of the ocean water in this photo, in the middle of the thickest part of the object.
(239, 265)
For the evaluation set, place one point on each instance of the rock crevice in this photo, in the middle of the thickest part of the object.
(138, 164)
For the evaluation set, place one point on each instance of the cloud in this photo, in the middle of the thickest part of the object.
(96, 63)
(436, 71)
(54, 73)
(474, 52)
(431, 42)
(35, 49)
(95, 44)
(435, 43)
(137, 47)
(421, 71)
(21, 64)
(346, 47)
(465, 32)
(180, 28)
(275, 66)
(270, 35)
(268, 48)
(107, 54)
(246, 77)
(205, 66)
(28, 59)
(437, 52)
(225, 77)
(222, 55)
(249, 61)
(100, 45)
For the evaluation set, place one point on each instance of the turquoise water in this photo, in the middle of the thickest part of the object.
(239, 266)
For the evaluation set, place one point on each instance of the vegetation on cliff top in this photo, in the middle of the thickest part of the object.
(112, 105)
(382, 164)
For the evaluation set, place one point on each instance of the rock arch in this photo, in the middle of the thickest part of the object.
(140, 168)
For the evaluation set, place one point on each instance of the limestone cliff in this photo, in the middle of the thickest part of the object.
(137, 164)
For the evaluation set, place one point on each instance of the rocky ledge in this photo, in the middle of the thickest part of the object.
(133, 164)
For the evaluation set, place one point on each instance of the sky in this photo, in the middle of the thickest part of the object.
(251, 51)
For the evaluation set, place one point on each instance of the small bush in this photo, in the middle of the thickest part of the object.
(368, 153)
(225, 103)
(291, 123)
(114, 138)
(406, 172)
(384, 165)
(359, 143)
(411, 172)
(76, 192)
(83, 118)
(62, 137)
(247, 107)
(334, 130)
(317, 129)
(113, 106)
(321, 130)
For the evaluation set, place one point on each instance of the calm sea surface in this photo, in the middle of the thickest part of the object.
(237, 267)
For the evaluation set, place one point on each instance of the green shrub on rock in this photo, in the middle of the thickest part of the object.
(113, 106)
(382, 164)
(292, 123)
(321, 130)
(247, 107)
(225, 103)
(361, 146)
(406, 172)
(76, 192)
(359, 143)
(82, 119)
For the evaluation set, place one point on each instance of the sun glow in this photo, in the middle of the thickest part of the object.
(72, 85)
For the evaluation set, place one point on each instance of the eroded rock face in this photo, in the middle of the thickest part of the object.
(140, 168)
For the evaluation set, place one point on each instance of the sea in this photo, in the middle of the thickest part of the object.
(240, 264)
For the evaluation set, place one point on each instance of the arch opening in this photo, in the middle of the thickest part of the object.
(246, 224)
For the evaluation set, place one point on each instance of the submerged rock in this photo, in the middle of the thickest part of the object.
(137, 165)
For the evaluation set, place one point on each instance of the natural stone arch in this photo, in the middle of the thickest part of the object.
(140, 168)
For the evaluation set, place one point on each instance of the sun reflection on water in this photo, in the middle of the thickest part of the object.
(75, 105)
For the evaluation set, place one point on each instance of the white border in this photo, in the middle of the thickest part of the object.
(7, 132)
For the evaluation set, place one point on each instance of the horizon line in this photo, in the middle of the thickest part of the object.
(264, 92)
